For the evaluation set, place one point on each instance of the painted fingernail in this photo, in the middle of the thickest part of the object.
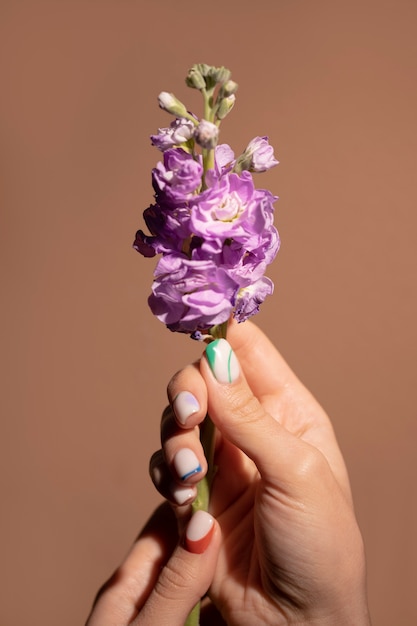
(185, 405)
(182, 495)
(186, 463)
(199, 532)
(222, 360)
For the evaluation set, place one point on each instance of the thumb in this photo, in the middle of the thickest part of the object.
(186, 577)
(241, 418)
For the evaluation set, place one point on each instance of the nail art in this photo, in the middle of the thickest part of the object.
(186, 463)
(185, 405)
(222, 360)
(199, 532)
(182, 495)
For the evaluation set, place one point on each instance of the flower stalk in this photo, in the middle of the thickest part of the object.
(211, 226)
(208, 441)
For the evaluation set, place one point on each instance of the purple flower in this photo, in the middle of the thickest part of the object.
(191, 295)
(177, 178)
(169, 228)
(180, 131)
(259, 155)
(233, 209)
(144, 244)
(224, 158)
(252, 265)
(250, 298)
(213, 229)
(215, 245)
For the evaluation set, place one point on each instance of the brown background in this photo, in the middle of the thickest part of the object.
(84, 364)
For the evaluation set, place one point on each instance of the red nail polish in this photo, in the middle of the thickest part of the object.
(199, 532)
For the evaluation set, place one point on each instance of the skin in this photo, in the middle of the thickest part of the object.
(286, 548)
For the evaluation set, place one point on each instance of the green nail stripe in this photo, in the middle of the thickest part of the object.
(229, 372)
(221, 360)
(211, 354)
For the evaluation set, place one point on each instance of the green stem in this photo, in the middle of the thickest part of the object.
(208, 436)
(194, 617)
(208, 155)
(208, 160)
(208, 440)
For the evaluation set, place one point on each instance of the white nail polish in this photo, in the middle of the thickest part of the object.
(185, 405)
(182, 495)
(186, 463)
(222, 361)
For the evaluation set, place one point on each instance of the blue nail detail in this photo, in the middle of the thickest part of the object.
(193, 471)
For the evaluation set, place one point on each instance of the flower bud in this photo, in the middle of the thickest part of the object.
(229, 88)
(206, 134)
(203, 68)
(220, 74)
(168, 102)
(258, 156)
(225, 106)
(195, 79)
(179, 132)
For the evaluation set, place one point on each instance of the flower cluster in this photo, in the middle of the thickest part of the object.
(212, 226)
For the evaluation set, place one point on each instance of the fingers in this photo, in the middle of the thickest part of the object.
(242, 419)
(157, 583)
(266, 387)
(186, 577)
(118, 600)
(187, 394)
(180, 465)
(182, 451)
(166, 484)
(280, 394)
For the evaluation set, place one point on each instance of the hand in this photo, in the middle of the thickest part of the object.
(291, 550)
(160, 581)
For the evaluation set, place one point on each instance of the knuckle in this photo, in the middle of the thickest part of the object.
(174, 383)
(311, 465)
(176, 578)
(180, 379)
(244, 406)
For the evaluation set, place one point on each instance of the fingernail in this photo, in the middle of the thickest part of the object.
(199, 532)
(157, 476)
(186, 463)
(222, 360)
(182, 495)
(185, 405)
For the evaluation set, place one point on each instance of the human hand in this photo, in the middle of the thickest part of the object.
(291, 550)
(160, 581)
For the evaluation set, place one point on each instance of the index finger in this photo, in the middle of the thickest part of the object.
(123, 595)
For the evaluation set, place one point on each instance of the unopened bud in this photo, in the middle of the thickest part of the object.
(168, 102)
(225, 106)
(203, 68)
(220, 74)
(229, 88)
(206, 134)
(195, 79)
(257, 157)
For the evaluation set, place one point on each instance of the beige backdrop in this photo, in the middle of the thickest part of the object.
(84, 364)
